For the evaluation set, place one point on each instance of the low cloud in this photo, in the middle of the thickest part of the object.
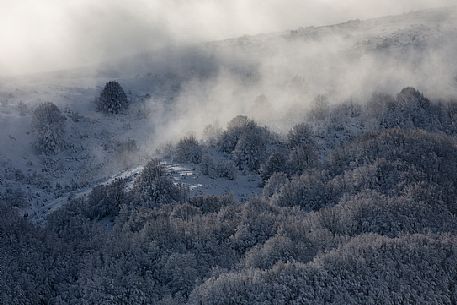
(51, 34)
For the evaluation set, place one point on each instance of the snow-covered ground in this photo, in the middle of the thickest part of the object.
(245, 186)
(92, 155)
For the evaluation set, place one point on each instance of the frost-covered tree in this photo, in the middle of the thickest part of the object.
(235, 128)
(308, 191)
(417, 269)
(372, 222)
(411, 109)
(188, 150)
(113, 99)
(106, 200)
(218, 168)
(180, 271)
(246, 141)
(257, 225)
(250, 150)
(276, 163)
(277, 248)
(211, 134)
(48, 123)
(275, 184)
(153, 187)
(302, 157)
(300, 134)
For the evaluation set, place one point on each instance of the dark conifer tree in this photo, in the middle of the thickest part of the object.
(113, 99)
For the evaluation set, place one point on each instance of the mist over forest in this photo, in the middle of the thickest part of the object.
(242, 152)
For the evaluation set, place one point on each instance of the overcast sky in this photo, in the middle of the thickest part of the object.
(41, 35)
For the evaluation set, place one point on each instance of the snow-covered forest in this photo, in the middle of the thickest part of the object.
(313, 166)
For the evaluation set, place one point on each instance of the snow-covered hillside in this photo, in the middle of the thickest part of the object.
(165, 103)
(313, 166)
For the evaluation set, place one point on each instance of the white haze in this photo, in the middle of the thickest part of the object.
(288, 74)
(291, 73)
(49, 35)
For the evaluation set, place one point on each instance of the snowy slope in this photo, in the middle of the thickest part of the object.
(153, 81)
(245, 186)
